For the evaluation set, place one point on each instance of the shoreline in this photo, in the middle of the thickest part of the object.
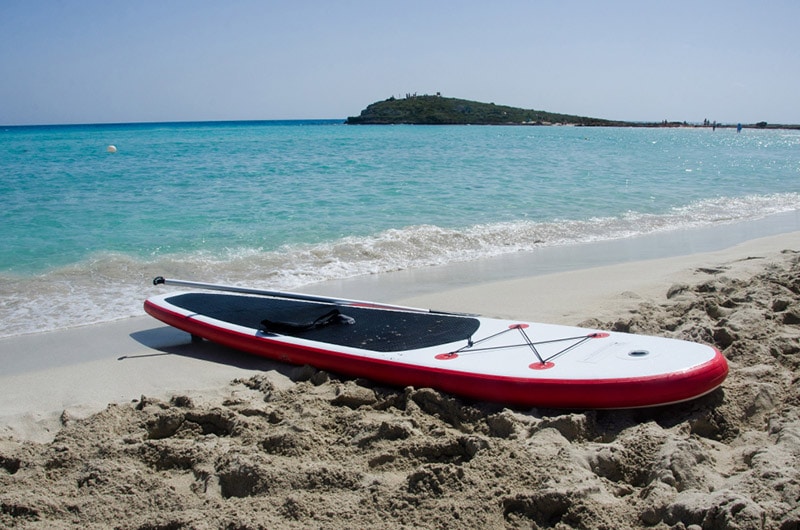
(606, 291)
(399, 286)
(88, 367)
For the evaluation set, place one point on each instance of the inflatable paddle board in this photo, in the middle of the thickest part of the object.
(523, 364)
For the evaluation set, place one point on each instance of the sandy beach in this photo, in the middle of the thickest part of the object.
(130, 425)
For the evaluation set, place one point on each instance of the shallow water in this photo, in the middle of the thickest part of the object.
(286, 204)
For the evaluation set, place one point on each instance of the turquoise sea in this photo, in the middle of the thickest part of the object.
(281, 205)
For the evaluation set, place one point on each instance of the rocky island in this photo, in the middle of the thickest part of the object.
(438, 110)
(435, 109)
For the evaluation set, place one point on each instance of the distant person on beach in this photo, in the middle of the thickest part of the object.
(738, 127)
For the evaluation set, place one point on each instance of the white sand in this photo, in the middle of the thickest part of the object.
(292, 447)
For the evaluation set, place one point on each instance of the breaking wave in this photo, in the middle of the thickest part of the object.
(111, 286)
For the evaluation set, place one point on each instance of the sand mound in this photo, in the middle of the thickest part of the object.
(316, 450)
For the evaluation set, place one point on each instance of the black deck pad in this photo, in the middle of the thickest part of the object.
(380, 330)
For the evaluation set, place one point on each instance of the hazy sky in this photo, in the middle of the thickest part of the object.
(87, 61)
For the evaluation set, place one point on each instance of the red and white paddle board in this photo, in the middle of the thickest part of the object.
(524, 364)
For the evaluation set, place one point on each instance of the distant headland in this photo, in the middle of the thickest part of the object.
(435, 109)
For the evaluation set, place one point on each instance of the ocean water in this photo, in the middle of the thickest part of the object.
(280, 205)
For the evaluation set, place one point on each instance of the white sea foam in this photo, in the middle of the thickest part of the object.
(111, 286)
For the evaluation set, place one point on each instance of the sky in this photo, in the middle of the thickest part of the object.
(113, 61)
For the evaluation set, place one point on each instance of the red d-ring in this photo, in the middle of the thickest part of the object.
(541, 366)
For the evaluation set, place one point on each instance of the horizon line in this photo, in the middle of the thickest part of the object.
(660, 123)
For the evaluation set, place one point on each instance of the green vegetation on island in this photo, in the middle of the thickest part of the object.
(414, 109)
(438, 110)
